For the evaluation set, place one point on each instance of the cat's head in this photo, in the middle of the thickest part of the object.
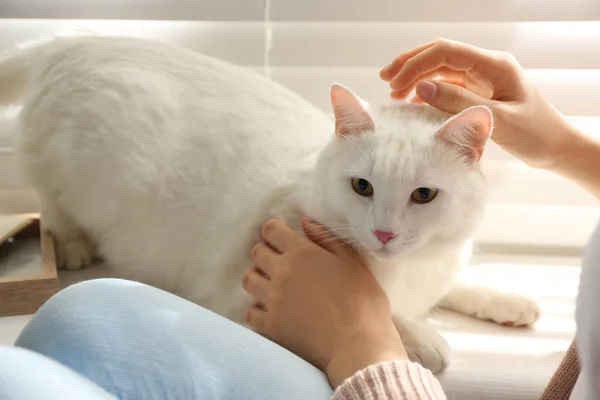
(400, 178)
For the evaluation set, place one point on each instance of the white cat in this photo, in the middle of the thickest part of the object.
(167, 162)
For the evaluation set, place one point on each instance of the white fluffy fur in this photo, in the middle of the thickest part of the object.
(166, 162)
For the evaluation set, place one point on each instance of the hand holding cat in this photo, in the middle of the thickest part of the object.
(526, 124)
(320, 301)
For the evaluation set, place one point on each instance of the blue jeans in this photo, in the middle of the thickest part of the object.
(130, 341)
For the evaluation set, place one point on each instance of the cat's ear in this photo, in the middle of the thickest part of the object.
(351, 114)
(469, 131)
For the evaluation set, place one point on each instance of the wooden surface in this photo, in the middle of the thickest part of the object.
(11, 224)
(25, 294)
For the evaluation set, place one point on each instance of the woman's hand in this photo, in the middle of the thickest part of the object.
(527, 125)
(320, 301)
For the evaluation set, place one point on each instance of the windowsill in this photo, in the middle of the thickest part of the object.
(512, 363)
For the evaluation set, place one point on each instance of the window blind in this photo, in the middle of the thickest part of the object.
(308, 45)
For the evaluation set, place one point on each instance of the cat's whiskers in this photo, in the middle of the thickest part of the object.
(441, 238)
(331, 227)
(334, 228)
(329, 224)
(340, 234)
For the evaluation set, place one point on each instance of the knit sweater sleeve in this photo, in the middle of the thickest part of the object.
(394, 380)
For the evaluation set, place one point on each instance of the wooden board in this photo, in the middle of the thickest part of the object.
(11, 224)
(24, 294)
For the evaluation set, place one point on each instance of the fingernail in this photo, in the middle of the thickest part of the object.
(426, 90)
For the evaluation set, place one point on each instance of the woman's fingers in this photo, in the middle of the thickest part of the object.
(427, 91)
(444, 72)
(454, 55)
(265, 258)
(256, 283)
(320, 235)
(392, 70)
(414, 100)
(423, 92)
(479, 64)
(449, 97)
(256, 317)
(279, 235)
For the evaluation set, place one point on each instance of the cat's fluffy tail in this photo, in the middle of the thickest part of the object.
(15, 66)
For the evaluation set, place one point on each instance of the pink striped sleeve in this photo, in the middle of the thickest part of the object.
(398, 380)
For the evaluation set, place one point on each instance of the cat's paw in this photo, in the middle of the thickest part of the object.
(510, 310)
(431, 354)
(74, 254)
(425, 346)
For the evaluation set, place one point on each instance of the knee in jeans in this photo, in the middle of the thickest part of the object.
(7, 355)
(65, 317)
(92, 294)
(11, 359)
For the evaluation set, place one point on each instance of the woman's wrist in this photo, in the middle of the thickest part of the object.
(579, 160)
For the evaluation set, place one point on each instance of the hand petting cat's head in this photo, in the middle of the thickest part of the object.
(401, 178)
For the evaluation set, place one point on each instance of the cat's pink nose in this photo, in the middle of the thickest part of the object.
(384, 237)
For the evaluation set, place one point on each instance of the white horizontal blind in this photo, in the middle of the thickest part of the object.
(316, 42)
(160, 10)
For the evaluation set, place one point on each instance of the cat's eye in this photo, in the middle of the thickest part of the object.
(423, 195)
(362, 187)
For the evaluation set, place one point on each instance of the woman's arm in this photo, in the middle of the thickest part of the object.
(580, 161)
(526, 124)
(321, 301)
